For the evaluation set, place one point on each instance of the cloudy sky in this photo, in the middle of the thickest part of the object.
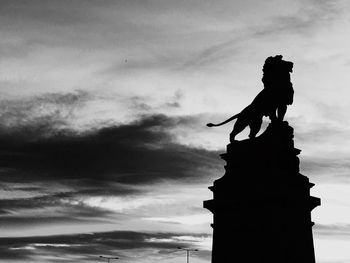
(103, 105)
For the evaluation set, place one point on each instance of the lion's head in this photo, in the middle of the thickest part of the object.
(276, 63)
(276, 70)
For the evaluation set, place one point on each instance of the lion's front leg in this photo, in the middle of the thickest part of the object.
(255, 126)
(281, 110)
(273, 116)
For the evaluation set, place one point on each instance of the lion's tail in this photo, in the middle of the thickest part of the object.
(224, 122)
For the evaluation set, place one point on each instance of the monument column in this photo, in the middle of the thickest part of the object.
(262, 205)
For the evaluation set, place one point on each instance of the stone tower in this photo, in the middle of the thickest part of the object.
(262, 205)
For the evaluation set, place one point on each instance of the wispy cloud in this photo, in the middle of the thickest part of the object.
(332, 231)
(41, 115)
(88, 247)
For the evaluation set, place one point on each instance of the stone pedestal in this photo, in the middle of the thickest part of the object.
(262, 205)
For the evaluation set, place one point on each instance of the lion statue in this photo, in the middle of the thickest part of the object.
(277, 94)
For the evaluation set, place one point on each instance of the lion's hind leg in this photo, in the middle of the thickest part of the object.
(255, 126)
(281, 111)
(239, 126)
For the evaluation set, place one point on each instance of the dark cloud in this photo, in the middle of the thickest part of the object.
(61, 208)
(90, 246)
(332, 231)
(329, 162)
(22, 222)
(106, 161)
(140, 152)
(318, 132)
(326, 168)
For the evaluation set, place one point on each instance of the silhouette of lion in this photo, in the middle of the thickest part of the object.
(277, 85)
(276, 95)
(251, 116)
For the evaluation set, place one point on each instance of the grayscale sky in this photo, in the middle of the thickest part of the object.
(103, 144)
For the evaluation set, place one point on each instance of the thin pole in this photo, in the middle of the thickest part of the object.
(188, 250)
(109, 258)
